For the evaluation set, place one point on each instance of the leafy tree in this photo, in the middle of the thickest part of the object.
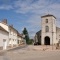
(25, 32)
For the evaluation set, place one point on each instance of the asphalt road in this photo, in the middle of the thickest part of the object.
(29, 54)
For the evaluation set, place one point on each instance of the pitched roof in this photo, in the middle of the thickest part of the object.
(48, 15)
(19, 34)
(1, 28)
(12, 28)
(39, 33)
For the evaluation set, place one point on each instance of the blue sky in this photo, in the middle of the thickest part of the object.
(27, 13)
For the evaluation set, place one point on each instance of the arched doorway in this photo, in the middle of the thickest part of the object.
(47, 40)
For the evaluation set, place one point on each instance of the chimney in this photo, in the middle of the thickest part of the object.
(4, 21)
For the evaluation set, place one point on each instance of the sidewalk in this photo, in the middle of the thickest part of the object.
(43, 48)
(12, 48)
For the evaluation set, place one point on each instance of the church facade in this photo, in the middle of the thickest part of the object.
(50, 33)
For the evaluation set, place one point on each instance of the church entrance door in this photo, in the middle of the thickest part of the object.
(47, 40)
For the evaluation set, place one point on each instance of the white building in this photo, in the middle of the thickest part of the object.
(8, 35)
(15, 38)
(20, 39)
(12, 36)
(3, 38)
(50, 33)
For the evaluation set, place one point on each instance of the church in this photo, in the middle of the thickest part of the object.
(49, 33)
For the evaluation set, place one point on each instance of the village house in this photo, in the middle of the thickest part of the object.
(20, 39)
(9, 35)
(3, 38)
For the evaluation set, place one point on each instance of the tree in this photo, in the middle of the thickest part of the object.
(25, 32)
(31, 41)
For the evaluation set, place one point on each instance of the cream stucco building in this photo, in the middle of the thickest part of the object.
(50, 33)
(9, 36)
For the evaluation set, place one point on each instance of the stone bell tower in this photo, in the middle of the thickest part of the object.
(48, 36)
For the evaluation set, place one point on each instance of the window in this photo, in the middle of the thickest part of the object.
(9, 39)
(46, 20)
(59, 41)
(13, 33)
(13, 39)
(10, 31)
(4, 40)
(47, 29)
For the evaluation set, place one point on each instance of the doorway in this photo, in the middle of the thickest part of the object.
(47, 40)
(4, 44)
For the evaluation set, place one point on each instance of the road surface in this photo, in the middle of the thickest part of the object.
(29, 54)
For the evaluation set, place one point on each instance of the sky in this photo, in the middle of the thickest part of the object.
(27, 13)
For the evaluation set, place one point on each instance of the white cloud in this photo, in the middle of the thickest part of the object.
(38, 7)
(34, 20)
(6, 7)
(55, 6)
(22, 6)
(27, 6)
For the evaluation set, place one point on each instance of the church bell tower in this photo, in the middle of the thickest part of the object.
(48, 36)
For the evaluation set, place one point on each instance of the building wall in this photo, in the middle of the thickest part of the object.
(19, 40)
(58, 35)
(12, 37)
(52, 29)
(3, 36)
(35, 39)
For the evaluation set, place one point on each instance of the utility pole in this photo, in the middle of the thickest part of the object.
(52, 40)
(52, 35)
